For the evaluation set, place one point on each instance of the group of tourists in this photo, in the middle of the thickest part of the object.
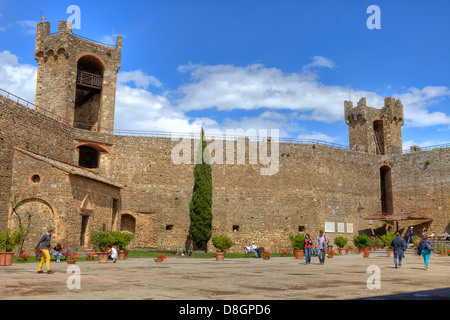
(399, 245)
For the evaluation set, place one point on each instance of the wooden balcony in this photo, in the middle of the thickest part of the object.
(89, 80)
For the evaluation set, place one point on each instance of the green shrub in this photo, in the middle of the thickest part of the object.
(102, 239)
(13, 240)
(122, 239)
(222, 243)
(298, 241)
(387, 239)
(361, 240)
(340, 241)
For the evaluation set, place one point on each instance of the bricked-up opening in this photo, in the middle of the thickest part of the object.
(88, 157)
(115, 210)
(379, 136)
(386, 190)
(128, 223)
(88, 93)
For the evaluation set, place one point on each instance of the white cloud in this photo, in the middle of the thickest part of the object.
(28, 26)
(140, 79)
(19, 79)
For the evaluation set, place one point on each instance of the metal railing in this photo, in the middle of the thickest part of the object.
(89, 79)
(159, 134)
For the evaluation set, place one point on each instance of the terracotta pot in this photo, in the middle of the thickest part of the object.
(361, 249)
(266, 258)
(102, 257)
(390, 252)
(298, 254)
(372, 248)
(220, 255)
(365, 255)
(342, 251)
(71, 261)
(158, 260)
(442, 254)
(9, 258)
(330, 256)
(123, 254)
(378, 247)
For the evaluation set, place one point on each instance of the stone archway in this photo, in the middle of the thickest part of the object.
(43, 216)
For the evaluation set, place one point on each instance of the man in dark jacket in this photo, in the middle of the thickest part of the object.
(398, 245)
(44, 242)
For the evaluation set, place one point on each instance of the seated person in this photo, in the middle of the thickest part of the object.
(314, 251)
(57, 252)
(256, 249)
(112, 253)
(446, 236)
(250, 249)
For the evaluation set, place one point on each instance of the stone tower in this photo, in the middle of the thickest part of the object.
(76, 79)
(372, 130)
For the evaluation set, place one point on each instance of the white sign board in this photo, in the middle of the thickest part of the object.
(341, 227)
(349, 227)
(330, 227)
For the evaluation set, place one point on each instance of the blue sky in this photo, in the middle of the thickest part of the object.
(255, 64)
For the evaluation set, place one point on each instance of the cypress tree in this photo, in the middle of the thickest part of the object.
(201, 204)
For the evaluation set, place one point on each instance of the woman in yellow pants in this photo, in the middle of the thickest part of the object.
(44, 242)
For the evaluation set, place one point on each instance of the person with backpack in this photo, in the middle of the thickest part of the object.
(398, 245)
(424, 248)
(307, 248)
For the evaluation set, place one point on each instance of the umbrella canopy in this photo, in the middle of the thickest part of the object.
(378, 216)
(416, 216)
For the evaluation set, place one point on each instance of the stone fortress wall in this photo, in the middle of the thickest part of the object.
(134, 185)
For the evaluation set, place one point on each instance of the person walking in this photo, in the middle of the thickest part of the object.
(410, 234)
(307, 247)
(398, 245)
(322, 245)
(424, 248)
(44, 242)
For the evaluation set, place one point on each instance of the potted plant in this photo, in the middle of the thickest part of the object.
(387, 240)
(9, 242)
(266, 255)
(160, 258)
(330, 253)
(440, 250)
(373, 243)
(366, 254)
(361, 241)
(298, 242)
(121, 241)
(221, 243)
(379, 243)
(340, 242)
(350, 249)
(448, 253)
(72, 258)
(23, 257)
(101, 240)
(284, 253)
(90, 256)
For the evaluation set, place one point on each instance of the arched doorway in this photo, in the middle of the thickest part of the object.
(387, 204)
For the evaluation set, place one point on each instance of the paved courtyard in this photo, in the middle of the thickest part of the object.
(182, 278)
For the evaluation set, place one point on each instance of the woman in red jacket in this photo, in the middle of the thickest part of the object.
(307, 248)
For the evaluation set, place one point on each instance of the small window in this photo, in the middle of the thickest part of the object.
(235, 228)
(88, 157)
(301, 229)
(36, 179)
(169, 227)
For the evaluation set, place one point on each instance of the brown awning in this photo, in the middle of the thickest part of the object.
(399, 216)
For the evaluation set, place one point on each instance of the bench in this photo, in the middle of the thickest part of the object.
(261, 249)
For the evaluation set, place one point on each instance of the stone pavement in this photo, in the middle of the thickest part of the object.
(183, 278)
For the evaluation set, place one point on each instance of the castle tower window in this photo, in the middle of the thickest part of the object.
(88, 157)
(88, 94)
(379, 136)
